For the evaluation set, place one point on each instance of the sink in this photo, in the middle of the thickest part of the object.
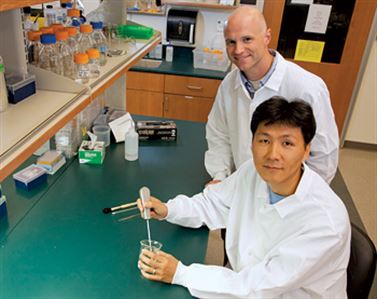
(149, 63)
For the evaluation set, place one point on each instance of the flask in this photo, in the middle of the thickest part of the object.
(93, 63)
(81, 68)
(3, 88)
(34, 46)
(49, 57)
(169, 53)
(100, 42)
(65, 54)
(131, 145)
(85, 39)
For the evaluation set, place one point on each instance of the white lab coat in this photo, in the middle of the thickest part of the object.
(228, 128)
(296, 248)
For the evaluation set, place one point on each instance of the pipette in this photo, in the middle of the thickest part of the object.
(145, 196)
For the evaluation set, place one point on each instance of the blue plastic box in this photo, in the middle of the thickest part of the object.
(30, 177)
(20, 87)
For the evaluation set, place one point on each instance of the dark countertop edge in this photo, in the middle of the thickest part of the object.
(217, 76)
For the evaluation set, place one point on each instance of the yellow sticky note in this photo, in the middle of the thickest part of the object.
(309, 50)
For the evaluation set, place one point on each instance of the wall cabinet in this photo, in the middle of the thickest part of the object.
(170, 96)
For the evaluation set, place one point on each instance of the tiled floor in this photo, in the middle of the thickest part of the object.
(359, 171)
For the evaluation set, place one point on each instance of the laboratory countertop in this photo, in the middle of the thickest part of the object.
(182, 65)
(55, 241)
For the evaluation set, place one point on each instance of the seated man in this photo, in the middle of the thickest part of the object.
(288, 232)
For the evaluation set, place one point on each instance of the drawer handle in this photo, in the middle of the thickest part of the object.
(188, 98)
(192, 87)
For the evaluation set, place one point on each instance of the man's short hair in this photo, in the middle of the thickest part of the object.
(277, 110)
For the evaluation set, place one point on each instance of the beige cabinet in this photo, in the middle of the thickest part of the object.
(175, 97)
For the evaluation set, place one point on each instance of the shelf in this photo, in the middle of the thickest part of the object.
(26, 126)
(12, 4)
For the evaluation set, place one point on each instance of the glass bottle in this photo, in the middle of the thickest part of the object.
(73, 39)
(81, 68)
(65, 53)
(73, 17)
(49, 57)
(100, 41)
(47, 30)
(94, 57)
(85, 39)
(57, 27)
(34, 46)
(28, 23)
(49, 15)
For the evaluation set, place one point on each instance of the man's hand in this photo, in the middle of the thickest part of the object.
(213, 182)
(158, 266)
(158, 209)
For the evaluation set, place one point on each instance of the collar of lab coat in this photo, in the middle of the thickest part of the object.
(292, 202)
(273, 82)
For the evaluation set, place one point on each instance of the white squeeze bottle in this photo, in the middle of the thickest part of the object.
(3, 88)
(169, 53)
(131, 145)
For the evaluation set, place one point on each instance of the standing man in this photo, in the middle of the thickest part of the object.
(288, 233)
(261, 74)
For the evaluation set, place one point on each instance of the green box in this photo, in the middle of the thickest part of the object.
(92, 155)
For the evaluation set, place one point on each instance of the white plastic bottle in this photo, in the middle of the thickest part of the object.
(169, 53)
(131, 145)
(3, 88)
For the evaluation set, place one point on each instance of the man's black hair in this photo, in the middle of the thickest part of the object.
(277, 110)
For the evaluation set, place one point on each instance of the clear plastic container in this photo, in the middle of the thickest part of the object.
(65, 53)
(67, 139)
(49, 57)
(94, 62)
(85, 40)
(34, 46)
(82, 72)
(215, 60)
(100, 41)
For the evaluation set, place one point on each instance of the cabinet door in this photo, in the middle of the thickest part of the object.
(141, 102)
(192, 86)
(187, 107)
(145, 81)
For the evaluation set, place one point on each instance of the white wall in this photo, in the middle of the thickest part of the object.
(363, 122)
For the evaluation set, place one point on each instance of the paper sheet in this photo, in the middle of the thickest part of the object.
(318, 18)
(308, 50)
(120, 126)
(301, 1)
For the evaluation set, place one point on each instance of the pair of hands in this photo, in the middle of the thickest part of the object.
(158, 266)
